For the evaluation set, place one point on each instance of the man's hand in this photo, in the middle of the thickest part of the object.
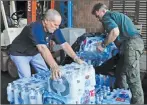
(52, 44)
(78, 60)
(55, 73)
(99, 47)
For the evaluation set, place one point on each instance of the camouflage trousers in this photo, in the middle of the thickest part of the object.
(128, 70)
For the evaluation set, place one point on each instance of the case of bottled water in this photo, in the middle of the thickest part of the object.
(74, 81)
(117, 96)
(19, 91)
(89, 53)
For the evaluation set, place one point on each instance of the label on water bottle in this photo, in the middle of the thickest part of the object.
(32, 97)
(120, 99)
(123, 95)
(92, 96)
(92, 93)
(87, 82)
(10, 95)
(47, 100)
(20, 99)
(86, 97)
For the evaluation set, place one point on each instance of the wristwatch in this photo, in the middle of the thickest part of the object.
(75, 58)
(103, 45)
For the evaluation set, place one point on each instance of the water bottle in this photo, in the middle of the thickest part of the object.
(10, 93)
(104, 88)
(97, 78)
(107, 81)
(101, 96)
(86, 98)
(98, 88)
(113, 93)
(105, 94)
(92, 75)
(101, 80)
(89, 62)
(104, 102)
(59, 102)
(25, 95)
(92, 95)
(46, 99)
(17, 97)
(108, 91)
(114, 90)
(98, 99)
(32, 97)
(112, 79)
(54, 101)
(129, 93)
(39, 97)
(93, 47)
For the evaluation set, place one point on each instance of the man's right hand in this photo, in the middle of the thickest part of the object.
(55, 73)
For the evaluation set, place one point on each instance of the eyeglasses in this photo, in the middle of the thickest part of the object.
(96, 16)
(56, 25)
(53, 23)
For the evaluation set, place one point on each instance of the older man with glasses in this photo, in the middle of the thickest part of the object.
(31, 46)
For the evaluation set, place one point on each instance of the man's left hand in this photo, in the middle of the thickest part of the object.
(52, 44)
(78, 60)
(99, 47)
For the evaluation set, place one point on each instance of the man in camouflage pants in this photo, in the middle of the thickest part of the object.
(128, 70)
(120, 28)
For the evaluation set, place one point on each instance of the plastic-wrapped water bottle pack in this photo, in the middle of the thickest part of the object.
(28, 90)
(117, 96)
(75, 80)
(89, 53)
(25, 91)
(105, 96)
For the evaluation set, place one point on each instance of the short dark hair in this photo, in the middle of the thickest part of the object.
(98, 6)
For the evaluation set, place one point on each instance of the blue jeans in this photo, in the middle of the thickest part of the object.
(23, 64)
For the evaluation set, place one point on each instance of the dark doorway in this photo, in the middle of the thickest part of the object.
(22, 6)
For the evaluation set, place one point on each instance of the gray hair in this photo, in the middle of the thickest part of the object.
(51, 14)
(97, 7)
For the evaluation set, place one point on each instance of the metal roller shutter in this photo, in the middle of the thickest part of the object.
(136, 10)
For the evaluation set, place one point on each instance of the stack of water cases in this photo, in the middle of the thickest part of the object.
(77, 84)
(117, 96)
(28, 90)
(105, 96)
(89, 53)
